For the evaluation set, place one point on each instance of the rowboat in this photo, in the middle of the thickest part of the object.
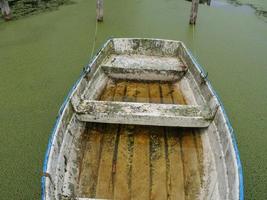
(142, 122)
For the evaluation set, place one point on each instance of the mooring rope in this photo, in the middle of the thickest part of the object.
(194, 46)
(94, 41)
(203, 72)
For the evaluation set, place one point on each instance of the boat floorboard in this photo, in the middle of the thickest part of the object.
(140, 162)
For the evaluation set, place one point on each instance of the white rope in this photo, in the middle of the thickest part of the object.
(194, 47)
(93, 48)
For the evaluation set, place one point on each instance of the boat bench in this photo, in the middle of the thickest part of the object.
(144, 67)
(143, 113)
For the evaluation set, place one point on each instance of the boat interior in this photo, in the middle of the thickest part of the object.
(133, 160)
(137, 161)
(142, 124)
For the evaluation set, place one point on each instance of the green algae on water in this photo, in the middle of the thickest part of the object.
(42, 56)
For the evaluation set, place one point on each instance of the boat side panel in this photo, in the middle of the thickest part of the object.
(191, 91)
(213, 154)
(95, 86)
(216, 148)
(92, 72)
(50, 171)
(60, 164)
(225, 131)
(214, 135)
(209, 183)
(65, 114)
(69, 158)
(228, 152)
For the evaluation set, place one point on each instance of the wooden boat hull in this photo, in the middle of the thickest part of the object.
(212, 171)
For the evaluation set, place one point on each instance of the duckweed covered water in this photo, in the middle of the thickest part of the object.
(42, 56)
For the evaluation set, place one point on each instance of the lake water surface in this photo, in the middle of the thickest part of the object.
(42, 56)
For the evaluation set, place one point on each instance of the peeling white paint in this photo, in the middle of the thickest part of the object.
(221, 179)
(143, 113)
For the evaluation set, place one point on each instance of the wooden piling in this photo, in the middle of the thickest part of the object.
(5, 9)
(194, 10)
(100, 10)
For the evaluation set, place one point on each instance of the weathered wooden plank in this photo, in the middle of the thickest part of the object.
(191, 171)
(166, 95)
(142, 92)
(154, 93)
(200, 155)
(189, 156)
(122, 162)
(152, 113)
(120, 91)
(122, 168)
(90, 162)
(144, 62)
(158, 170)
(104, 187)
(141, 167)
(158, 161)
(144, 113)
(141, 67)
(175, 176)
(109, 91)
(130, 95)
(104, 183)
(175, 180)
(177, 95)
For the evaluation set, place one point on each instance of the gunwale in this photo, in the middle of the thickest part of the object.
(88, 69)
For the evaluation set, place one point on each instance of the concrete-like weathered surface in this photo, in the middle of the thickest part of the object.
(144, 114)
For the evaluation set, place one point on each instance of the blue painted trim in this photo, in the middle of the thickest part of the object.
(238, 160)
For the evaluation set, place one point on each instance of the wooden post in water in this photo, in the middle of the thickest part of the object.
(208, 2)
(194, 10)
(99, 10)
(6, 12)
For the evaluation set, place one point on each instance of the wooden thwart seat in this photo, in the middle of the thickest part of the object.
(143, 113)
(144, 67)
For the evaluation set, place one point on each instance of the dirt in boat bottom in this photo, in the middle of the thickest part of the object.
(141, 162)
